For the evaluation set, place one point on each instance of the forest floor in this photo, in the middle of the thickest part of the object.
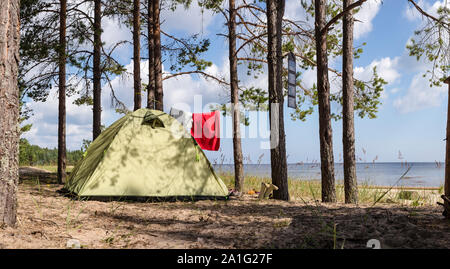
(48, 220)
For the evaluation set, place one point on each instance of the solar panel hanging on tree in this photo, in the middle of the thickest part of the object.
(292, 103)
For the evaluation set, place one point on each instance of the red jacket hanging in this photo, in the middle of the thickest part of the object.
(206, 130)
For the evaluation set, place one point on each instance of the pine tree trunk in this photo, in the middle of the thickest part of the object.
(323, 89)
(62, 94)
(282, 180)
(447, 156)
(157, 57)
(151, 60)
(9, 110)
(137, 54)
(97, 109)
(237, 146)
(275, 12)
(348, 137)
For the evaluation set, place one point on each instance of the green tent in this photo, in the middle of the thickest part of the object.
(146, 153)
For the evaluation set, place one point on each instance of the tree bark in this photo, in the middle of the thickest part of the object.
(159, 105)
(447, 156)
(151, 59)
(137, 54)
(275, 12)
(348, 137)
(97, 109)
(9, 110)
(62, 93)
(237, 146)
(323, 89)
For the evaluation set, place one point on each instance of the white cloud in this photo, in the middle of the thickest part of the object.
(412, 14)
(309, 77)
(387, 68)
(409, 64)
(420, 95)
(45, 122)
(190, 21)
(182, 89)
(115, 32)
(366, 14)
(295, 11)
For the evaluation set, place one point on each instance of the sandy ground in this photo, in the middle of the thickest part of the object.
(48, 220)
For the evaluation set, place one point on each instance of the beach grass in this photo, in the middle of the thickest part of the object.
(53, 168)
(310, 191)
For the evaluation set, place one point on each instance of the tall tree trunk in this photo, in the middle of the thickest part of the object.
(323, 89)
(237, 146)
(348, 137)
(62, 94)
(137, 53)
(151, 59)
(97, 109)
(9, 110)
(157, 57)
(275, 12)
(446, 212)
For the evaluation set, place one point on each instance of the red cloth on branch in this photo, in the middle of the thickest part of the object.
(206, 130)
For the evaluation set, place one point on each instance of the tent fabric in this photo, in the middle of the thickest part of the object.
(152, 120)
(136, 159)
(206, 130)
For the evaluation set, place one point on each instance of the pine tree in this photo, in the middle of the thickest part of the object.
(9, 109)
(137, 53)
(348, 136)
(97, 75)
(323, 90)
(151, 57)
(234, 87)
(275, 11)
(62, 94)
(157, 61)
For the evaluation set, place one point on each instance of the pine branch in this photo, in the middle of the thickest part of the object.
(418, 8)
(221, 81)
(338, 16)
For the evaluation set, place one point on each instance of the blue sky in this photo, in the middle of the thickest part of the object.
(411, 120)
